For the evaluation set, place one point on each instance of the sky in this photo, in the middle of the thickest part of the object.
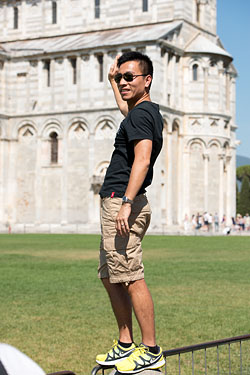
(233, 29)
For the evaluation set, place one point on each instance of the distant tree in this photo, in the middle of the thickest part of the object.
(244, 197)
(237, 197)
(242, 171)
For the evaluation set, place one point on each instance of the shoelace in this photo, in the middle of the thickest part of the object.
(115, 343)
(141, 349)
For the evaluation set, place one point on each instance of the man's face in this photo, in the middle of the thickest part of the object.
(136, 89)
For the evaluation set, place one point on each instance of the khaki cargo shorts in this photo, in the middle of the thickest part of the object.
(121, 257)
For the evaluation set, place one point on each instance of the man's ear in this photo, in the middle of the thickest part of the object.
(148, 80)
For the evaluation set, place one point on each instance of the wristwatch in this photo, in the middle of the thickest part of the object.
(126, 200)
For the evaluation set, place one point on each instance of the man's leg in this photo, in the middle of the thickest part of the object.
(144, 310)
(122, 307)
(147, 355)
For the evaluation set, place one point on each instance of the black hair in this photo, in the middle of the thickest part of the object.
(144, 61)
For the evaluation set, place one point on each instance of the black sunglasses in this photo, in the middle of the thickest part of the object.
(129, 77)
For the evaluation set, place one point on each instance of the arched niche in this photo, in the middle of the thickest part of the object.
(105, 129)
(78, 130)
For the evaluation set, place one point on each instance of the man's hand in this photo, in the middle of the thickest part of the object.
(121, 224)
(113, 69)
(122, 105)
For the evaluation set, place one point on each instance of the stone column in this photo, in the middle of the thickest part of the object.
(229, 190)
(52, 83)
(169, 180)
(179, 180)
(38, 182)
(185, 86)
(85, 85)
(27, 99)
(221, 86)
(65, 96)
(2, 86)
(233, 99)
(186, 182)
(64, 180)
(3, 152)
(165, 78)
(91, 76)
(105, 71)
(170, 79)
(232, 197)
(206, 160)
(10, 193)
(92, 201)
(227, 92)
(205, 102)
(6, 78)
(221, 185)
(79, 80)
(173, 77)
(40, 85)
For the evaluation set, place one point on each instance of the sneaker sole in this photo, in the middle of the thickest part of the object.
(154, 366)
(115, 361)
(110, 363)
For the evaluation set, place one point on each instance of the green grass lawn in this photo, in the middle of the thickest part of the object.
(53, 307)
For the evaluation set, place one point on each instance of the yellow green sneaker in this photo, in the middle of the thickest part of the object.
(117, 353)
(141, 359)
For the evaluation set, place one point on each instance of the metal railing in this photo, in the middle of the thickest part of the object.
(206, 345)
(62, 373)
(203, 347)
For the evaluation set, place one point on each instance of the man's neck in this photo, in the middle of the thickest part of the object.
(144, 98)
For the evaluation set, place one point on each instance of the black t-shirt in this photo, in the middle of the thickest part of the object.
(144, 121)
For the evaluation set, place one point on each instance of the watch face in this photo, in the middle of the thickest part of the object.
(126, 200)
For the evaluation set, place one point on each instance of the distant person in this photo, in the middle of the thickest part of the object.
(210, 222)
(206, 220)
(233, 223)
(199, 221)
(194, 222)
(186, 223)
(216, 222)
(223, 221)
(247, 222)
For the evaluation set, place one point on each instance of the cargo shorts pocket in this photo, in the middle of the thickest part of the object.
(123, 255)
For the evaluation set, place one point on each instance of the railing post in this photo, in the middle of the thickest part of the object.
(218, 361)
(240, 359)
(205, 361)
(229, 355)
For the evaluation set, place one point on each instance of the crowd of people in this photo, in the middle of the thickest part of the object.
(207, 222)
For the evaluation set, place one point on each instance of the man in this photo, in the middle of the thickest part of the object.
(125, 215)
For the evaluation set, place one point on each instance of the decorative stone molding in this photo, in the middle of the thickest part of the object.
(85, 57)
(112, 54)
(27, 133)
(78, 130)
(52, 127)
(59, 60)
(206, 156)
(33, 63)
(105, 130)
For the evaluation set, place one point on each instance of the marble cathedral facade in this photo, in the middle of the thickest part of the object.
(58, 116)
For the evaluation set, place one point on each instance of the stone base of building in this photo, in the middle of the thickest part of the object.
(174, 230)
